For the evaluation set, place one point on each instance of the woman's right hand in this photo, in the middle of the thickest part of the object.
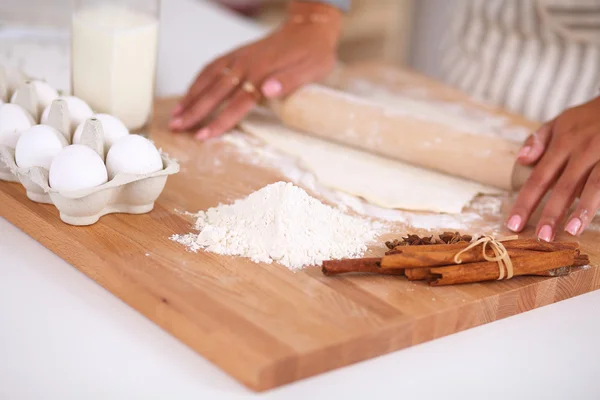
(301, 51)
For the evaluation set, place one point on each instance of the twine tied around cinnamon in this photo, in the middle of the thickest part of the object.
(505, 266)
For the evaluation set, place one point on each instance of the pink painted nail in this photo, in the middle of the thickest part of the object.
(178, 108)
(545, 233)
(176, 123)
(574, 226)
(271, 88)
(203, 134)
(524, 152)
(514, 223)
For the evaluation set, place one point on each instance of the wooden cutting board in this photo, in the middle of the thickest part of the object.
(262, 324)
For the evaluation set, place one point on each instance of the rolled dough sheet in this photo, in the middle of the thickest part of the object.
(379, 180)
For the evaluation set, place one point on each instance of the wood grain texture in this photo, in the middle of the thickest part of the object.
(263, 324)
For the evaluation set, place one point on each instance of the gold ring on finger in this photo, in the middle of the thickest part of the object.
(249, 87)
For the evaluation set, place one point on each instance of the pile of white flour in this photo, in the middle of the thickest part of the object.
(280, 223)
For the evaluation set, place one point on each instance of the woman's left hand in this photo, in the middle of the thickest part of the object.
(300, 51)
(567, 153)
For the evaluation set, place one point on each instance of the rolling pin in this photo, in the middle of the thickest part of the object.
(351, 120)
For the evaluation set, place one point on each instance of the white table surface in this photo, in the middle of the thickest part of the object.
(62, 336)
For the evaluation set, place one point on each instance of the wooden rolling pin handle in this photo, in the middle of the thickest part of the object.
(508, 181)
(520, 175)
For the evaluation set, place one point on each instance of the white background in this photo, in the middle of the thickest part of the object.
(64, 337)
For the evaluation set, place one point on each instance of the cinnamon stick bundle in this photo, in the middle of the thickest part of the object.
(421, 274)
(524, 244)
(440, 255)
(436, 262)
(488, 271)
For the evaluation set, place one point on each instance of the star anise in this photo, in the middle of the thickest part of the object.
(394, 243)
(412, 240)
(416, 240)
(423, 241)
(455, 237)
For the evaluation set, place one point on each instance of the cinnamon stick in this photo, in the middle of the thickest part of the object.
(360, 265)
(524, 244)
(422, 274)
(581, 260)
(488, 271)
(539, 245)
(417, 274)
(425, 256)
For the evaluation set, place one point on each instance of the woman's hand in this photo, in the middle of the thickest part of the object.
(301, 51)
(567, 153)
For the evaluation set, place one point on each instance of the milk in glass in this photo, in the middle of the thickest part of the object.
(114, 52)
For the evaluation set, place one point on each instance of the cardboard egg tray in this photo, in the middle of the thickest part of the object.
(5, 94)
(6, 174)
(25, 96)
(125, 193)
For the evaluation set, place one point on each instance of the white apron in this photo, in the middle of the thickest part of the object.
(533, 57)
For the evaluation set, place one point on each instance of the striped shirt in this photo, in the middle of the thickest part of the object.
(532, 57)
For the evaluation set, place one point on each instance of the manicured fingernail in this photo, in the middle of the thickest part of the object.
(545, 233)
(176, 123)
(178, 108)
(203, 134)
(514, 223)
(524, 152)
(271, 88)
(573, 226)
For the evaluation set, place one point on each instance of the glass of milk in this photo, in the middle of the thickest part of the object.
(114, 46)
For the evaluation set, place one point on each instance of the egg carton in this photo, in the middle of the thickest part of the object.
(6, 174)
(3, 85)
(21, 92)
(10, 80)
(26, 96)
(125, 193)
(58, 118)
(7, 88)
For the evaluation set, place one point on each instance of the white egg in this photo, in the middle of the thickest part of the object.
(38, 146)
(13, 121)
(78, 109)
(77, 167)
(45, 93)
(112, 127)
(133, 154)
